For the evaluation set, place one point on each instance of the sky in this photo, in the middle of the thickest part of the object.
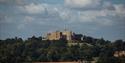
(96, 18)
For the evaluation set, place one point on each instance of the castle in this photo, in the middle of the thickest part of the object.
(119, 54)
(66, 35)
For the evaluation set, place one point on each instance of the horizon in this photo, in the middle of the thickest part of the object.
(43, 36)
(95, 18)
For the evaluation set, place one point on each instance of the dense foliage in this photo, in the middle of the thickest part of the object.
(34, 49)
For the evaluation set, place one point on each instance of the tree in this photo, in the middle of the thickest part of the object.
(119, 45)
(106, 59)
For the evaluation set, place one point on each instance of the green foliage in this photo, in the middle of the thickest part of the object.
(106, 59)
(34, 49)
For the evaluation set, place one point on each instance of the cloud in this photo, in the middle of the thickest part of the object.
(120, 9)
(33, 8)
(55, 13)
(17, 2)
(65, 14)
(94, 16)
(114, 9)
(82, 3)
(28, 19)
(109, 14)
(21, 26)
(108, 5)
(80, 15)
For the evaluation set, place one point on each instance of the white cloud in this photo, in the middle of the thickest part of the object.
(120, 9)
(110, 14)
(28, 19)
(117, 9)
(92, 13)
(93, 17)
(60, 13)
(114, 10)
(34, 8)
(82, 3)
(65, 15)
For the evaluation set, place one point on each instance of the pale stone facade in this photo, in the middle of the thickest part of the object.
(119, 53)
(54, 35)
(67, 35)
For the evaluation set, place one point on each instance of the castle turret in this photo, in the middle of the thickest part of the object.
(68, 34)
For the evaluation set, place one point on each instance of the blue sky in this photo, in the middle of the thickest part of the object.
(96, 18)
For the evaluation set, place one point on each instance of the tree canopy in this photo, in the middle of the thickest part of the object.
(35, 49)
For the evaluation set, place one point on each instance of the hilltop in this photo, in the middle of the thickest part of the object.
(35, 49)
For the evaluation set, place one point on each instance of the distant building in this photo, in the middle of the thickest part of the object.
(54, 35)
(67, 35)
(119, 53)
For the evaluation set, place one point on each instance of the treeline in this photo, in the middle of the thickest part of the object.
(34, 49)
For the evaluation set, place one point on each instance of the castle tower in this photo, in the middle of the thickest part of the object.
(67, 34)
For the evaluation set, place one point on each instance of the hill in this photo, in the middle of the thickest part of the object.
(34, 49)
